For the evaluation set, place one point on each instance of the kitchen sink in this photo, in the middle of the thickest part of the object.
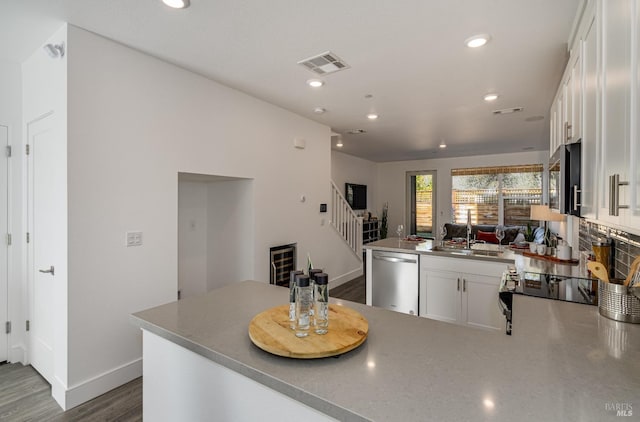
(467, 251)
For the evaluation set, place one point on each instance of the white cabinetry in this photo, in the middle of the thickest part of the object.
(633, 214)
(461, 291)
(591, 113)
(573, 96)
(616, 108)
(598, 102)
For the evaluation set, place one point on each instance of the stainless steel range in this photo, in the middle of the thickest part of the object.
(546, 286)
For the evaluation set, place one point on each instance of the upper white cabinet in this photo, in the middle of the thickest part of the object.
(633, 214)
(573, 95)
(597, 102)
(591, 111)
(616, 108)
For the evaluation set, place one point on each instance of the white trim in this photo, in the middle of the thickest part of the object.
(340, 280)
(18, 353)
(98, 385)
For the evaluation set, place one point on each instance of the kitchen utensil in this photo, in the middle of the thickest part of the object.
(598, 270)
(616, 303)
(602, 252)
(633, 269)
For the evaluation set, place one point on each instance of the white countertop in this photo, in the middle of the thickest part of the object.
(563, 362)
(521, 262)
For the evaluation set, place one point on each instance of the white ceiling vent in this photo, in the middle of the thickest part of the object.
(324, 63)
(356, 131)
(508, 110)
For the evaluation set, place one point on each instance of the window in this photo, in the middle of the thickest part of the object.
(420, 202)
(496, 195)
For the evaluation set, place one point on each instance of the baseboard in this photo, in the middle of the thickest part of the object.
(345, 277)
(98, 385)
(18, 354)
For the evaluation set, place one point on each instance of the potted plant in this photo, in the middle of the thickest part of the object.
(383, 221)
(529, 235)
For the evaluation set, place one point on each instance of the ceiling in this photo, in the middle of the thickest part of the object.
(408, 61)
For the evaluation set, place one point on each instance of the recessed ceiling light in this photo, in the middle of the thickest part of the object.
(177, 4)
(319, 110)
(339, 144)
(315, 83)
(491, 97)
(442, 144)
(477, 40)
(372, 116)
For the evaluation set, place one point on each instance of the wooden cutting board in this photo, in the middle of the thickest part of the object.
(269, 330)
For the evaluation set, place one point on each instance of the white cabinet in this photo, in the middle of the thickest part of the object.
(616, 108)
(591, 111)
(461, 291)
(573, 96)
(441, 299)
(566, 110)
(599, 102)
(554, 117)
(633, 214)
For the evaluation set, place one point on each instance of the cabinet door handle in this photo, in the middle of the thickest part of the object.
(567, 131)
(576, 191)
(614, 194)
(464, 284)
(458, 283)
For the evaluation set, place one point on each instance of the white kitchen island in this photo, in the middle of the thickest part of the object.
(563, 362)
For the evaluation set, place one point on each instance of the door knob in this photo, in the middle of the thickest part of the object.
(51, 271)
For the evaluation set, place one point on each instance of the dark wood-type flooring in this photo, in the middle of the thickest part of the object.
(26, 396)
(353, 290)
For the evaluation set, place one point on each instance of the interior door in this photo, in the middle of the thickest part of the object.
(421, 203)
(46, 253)
(4, 267)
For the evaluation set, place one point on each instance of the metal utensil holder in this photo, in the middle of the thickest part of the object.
(616, 302)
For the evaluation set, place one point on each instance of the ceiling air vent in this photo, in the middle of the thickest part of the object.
(356, 131)
(508, 110)
(324, 63)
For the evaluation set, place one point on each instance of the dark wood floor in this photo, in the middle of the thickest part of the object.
(26, 396)
(354, 290)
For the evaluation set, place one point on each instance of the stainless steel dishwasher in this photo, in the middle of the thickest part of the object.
(394, 281)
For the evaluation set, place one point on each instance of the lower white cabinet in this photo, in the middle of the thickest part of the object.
(467, 295)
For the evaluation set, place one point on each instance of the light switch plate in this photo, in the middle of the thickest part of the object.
(134, 238)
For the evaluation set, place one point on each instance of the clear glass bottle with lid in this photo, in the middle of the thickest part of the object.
(304, 302)
(321, 303)
(292, 297)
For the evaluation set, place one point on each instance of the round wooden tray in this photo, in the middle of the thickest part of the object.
(270, 330)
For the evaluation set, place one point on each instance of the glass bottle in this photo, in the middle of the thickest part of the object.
(292, 298)
(304, 302)
(321, 303)
(312, 280)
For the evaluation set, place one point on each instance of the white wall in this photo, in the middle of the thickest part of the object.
(45, 91)
(230, 232)
(192, 238)
(347, 168)
(392, 180)
(11, 116)
(135, 122)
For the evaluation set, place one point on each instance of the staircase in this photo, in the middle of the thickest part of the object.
(346, 222)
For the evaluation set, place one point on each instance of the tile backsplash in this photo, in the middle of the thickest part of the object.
(625, 246)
